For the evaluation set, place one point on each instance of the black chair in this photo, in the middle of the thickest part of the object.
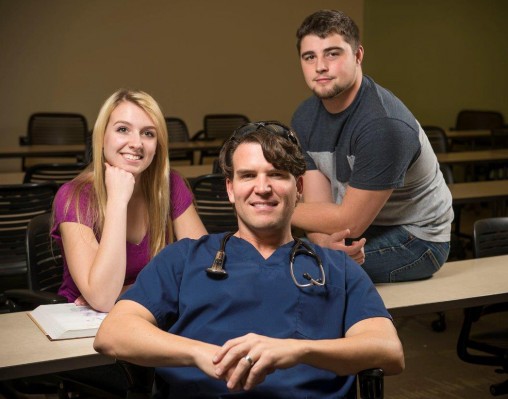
(218, 126)
(437, 138)
(369, 383)
(499, 138)
(439, 142)
(490, 239)
(44, 267)
(55, 128)
(212, 203)
(60, 173)
(178, 132)
(477, 119)
(19, 203)
(45, 270)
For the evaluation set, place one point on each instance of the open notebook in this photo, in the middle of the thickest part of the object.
(67, 320)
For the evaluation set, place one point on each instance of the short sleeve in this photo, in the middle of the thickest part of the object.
(180, 195)
(65, 210)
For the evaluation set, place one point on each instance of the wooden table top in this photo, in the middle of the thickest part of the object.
(25, 350)
(479, 191)
(456, 285)
(467, 134)
(499, 155)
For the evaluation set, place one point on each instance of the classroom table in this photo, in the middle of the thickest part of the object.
(25, 350)
(74, 150)
(488, 190)
(187, 171)
(457, 285)
(473, 157)
(470, 138)
(467, 134)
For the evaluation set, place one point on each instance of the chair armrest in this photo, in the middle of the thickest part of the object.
(200, 135)
(23, 140)
(25, 299)
(140, 380)
(371, 382)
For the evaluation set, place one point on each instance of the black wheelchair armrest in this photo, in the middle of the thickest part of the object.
(140, 380)
(371, 383)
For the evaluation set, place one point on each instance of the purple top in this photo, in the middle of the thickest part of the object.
(138, 255)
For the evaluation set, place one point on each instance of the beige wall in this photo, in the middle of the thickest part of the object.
(439, 56)
(194, 57)
(207, 56)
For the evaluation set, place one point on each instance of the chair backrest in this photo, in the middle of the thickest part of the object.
(45, 262)
(57, 128)
(474, 119)
(437, 138)
(447, 172)
(499, 138)
(490, 237)
(60, 173)
(212, 203)
(178, 131)
(221, 126)
(19, 203)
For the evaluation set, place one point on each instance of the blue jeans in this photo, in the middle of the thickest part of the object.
(392, 254)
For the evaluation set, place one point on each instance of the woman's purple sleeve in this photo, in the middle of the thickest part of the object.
(181, 195)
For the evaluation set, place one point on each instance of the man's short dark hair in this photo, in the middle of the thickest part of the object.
(325, 22)
(281, 152)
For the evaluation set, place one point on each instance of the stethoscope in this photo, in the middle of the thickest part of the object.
(299, 248)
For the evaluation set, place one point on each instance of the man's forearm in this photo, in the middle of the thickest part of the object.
(324, 218)
(140, 342)
(346, 356)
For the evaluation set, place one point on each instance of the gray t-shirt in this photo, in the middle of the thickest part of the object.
(377, 144)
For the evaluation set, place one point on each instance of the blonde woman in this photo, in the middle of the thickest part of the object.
(125, 207)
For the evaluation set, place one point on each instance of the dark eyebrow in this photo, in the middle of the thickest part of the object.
(243, 171)
(307, 53)
(326, 50)
(333, 48)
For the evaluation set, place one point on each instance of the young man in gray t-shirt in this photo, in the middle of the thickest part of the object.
(370, 166)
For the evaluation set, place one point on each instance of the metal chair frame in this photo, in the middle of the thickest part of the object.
(490, 239)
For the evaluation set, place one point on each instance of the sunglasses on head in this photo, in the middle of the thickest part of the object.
(274, 127)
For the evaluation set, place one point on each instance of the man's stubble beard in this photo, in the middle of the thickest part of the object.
(329, 94)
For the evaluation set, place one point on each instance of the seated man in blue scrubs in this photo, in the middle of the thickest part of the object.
(255, 313)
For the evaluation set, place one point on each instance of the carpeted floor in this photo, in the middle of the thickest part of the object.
(433, 369)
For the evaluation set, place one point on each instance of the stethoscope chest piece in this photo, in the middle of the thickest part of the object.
(216, 271)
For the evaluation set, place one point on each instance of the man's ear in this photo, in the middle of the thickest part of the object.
(229, 188)
(299, 188)
(359, 54)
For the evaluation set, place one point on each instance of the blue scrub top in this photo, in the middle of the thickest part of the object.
(258, 296)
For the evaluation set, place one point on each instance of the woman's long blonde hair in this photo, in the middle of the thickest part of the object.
(154, 180)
